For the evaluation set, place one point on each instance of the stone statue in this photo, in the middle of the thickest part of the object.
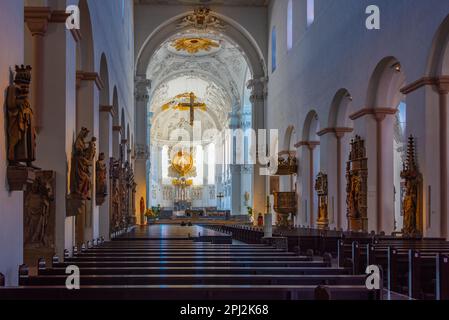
(321, 187)
(115, 209)
(142, 206)
(412, 183)
(37, 213)
(101, 177)
(83, 157)
(354, 196)
(410, 206)
(21, 132)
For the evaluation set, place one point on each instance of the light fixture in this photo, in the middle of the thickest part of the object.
(396, 67)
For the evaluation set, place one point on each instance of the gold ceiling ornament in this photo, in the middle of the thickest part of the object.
(182, 162)
(194, 45)
(201, 19)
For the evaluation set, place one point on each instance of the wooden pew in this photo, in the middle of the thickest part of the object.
(200, 270)
(200, 293)
(194, 263)
(196, 279)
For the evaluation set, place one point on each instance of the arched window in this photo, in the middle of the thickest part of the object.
(164, 159)
(199, 159)
(211, 164)
(273, 49)
(310, 12)
(399, 155)
(290, 25)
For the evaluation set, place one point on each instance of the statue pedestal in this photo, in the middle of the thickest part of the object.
(19, 177)
(323, 224)
(75, 206)
(100, 199)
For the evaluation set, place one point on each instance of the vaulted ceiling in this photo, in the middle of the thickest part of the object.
(216, 75)
(246, 3)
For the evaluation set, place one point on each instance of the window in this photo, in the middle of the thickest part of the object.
(164, 159)
(310, 12)
(290, 25)
(211, 164)
(199, 159)
(273, 49)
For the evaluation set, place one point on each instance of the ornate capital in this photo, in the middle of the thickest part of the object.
(259, 89)
(142, 152)
(37, 19)
(142, 87)
(89, 76)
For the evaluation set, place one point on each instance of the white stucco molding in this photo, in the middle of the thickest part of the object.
(142, 88)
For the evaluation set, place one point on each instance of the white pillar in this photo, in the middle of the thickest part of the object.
(142, 154)
(258, 99)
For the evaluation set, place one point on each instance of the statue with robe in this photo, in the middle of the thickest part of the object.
(21, 132)
(411, 176)
(84, 153)
(101, 177)
(410, 208)
(37, 213)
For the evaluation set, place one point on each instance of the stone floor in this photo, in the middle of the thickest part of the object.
(170, 232)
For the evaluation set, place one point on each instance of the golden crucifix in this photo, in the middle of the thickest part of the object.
(192, 105)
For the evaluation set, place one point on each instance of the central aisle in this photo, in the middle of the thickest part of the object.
(176, 232)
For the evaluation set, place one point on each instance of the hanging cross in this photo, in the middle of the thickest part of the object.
(192, 105)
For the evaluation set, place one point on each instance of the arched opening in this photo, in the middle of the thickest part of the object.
(116, 125)
(341, 127)
(220, 85)
(437, 185)
(310, 166)
(383, 99)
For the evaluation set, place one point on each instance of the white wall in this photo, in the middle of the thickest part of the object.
(11, 204)
(337, 51)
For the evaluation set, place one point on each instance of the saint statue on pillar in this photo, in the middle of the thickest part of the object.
(101, 179)
(84, 153)
(20, 131)
(412, 182)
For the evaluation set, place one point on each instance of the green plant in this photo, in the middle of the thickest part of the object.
(250, 211)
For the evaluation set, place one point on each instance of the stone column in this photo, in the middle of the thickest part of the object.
(37, 19)
(443, 90)
(55, 140)
(379, 116)
(88, 86)
(258, 99)
(339, 134)
(311, 145)
(105, 146)
(236, 170)
(142, 98)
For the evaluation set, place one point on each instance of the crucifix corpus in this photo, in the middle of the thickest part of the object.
(192, 105)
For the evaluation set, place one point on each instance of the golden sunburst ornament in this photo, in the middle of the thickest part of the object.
(182, 163)
(195, 45)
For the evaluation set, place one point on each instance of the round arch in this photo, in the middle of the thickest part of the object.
(384, 160)
(86, 47)
(241, 38)
(340, 109)
(385, 84)
(439, 57)
(233, 31)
